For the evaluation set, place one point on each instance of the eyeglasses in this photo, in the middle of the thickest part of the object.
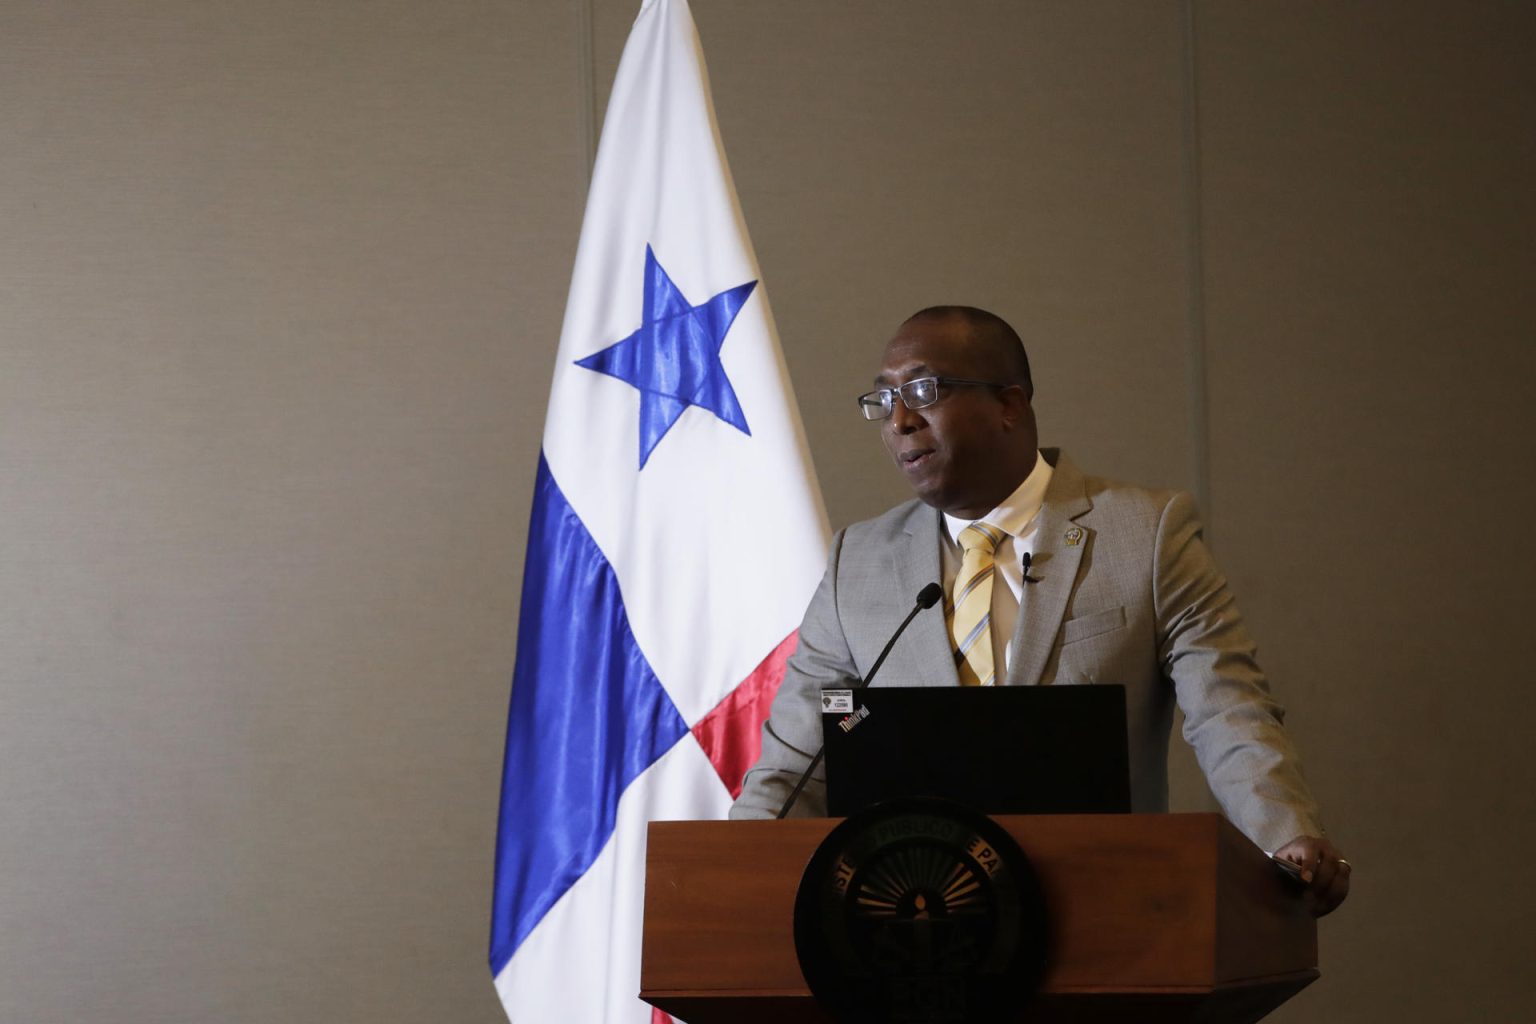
(915, 394)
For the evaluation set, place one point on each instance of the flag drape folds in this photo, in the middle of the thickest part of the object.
(677, 533)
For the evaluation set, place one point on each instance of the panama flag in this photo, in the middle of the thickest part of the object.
(677, 535)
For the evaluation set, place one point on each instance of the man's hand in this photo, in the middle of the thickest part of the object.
(1323, 869)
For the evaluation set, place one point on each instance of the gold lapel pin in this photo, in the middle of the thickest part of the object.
(1074, 536)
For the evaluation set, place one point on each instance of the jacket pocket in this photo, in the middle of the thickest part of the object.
(1092, 624)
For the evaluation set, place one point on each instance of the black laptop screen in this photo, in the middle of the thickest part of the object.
(999, 750)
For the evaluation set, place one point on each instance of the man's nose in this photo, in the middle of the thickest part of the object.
(904, 420)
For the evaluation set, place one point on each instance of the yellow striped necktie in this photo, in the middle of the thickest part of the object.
(970, 608)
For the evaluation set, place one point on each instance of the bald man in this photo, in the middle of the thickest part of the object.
(1126, 593)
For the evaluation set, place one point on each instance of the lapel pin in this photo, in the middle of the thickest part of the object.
(1074, 536)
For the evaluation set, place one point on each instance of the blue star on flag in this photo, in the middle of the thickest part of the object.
(673, 359)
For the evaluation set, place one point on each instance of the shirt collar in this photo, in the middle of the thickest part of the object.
(1016, 511)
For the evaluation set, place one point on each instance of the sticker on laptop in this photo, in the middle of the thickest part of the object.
(836, 702)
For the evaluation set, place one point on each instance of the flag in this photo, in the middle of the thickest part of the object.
(677, 534)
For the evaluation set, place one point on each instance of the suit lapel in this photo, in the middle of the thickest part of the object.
(1057, 558)
(924, 650)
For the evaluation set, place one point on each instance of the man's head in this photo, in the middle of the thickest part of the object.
(968, 450)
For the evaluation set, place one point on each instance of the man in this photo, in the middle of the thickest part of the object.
(1121, 589)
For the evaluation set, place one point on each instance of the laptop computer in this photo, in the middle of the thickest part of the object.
(998, 750)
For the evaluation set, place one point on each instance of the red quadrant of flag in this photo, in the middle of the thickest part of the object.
(732, 733)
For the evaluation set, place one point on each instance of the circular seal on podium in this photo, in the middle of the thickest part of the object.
(920, 911)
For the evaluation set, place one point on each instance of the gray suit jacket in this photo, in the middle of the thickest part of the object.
(1128, 594)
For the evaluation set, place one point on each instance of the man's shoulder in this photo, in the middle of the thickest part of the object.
(1107, 498)
(873, 545)
(1077, 495)
(1121, 498)
(870, 545)
(893, 522)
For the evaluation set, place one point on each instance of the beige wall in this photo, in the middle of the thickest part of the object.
(280, 285)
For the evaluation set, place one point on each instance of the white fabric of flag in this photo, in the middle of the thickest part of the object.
(676, 537)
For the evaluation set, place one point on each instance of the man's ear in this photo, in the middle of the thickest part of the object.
(1016, 407)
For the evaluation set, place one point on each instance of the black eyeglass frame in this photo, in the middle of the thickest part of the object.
(883, 400)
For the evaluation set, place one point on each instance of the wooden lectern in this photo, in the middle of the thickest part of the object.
(1155, 917)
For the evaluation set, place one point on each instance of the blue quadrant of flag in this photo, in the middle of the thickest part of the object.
(588, 716)
(673, 358)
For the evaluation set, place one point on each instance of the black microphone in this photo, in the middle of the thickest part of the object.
(926, 598)
(1027, 577)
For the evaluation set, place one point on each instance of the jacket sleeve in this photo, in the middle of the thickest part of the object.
(1231, 719)
(792, 733)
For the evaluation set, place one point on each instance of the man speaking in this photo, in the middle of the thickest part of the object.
(1120, 589)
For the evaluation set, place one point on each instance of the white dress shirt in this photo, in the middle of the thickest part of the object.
(1016, 518)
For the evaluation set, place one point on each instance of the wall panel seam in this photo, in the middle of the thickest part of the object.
(1199, 397)
(587, 72)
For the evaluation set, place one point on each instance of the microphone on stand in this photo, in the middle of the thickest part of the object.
(926, 598)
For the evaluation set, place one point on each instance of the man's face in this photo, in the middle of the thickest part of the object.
(961, 454)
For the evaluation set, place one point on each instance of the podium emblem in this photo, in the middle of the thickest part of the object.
(923, 911)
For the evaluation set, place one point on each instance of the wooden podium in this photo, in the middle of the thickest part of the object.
(1154, 917)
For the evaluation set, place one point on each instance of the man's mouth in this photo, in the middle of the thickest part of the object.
(914, 457)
